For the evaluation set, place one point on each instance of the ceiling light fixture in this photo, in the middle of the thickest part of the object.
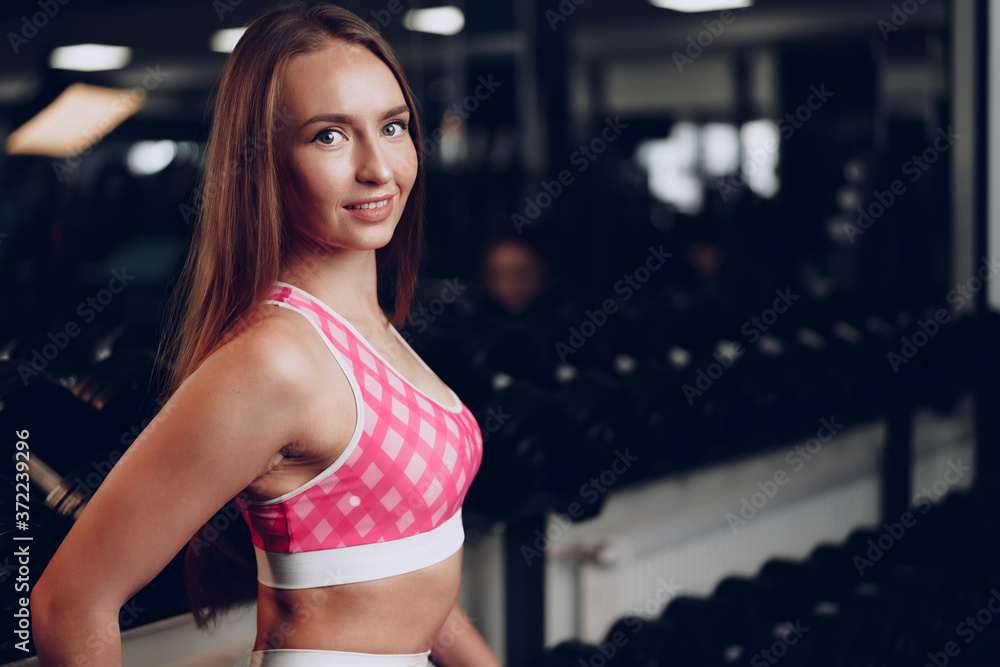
(90, 57)
(437, 20)
(691, 6)
(224, 41)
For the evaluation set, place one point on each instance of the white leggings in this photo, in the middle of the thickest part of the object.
(292, 657)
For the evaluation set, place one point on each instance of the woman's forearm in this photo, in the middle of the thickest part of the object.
(459, 644)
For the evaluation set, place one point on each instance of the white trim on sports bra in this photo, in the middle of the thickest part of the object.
(359, 412)
(362, 562)
(456, 408)
(290, 657)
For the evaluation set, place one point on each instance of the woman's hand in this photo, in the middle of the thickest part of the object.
(221, 430)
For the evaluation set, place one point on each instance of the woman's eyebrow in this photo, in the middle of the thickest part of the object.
(349, 119)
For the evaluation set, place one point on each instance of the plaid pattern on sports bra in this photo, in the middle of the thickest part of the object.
(406, 470)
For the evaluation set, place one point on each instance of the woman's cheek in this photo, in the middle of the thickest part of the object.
(410, 164)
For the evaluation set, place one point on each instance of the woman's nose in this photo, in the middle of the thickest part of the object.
(373, 165)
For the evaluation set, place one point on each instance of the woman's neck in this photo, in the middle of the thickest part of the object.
(346, 280)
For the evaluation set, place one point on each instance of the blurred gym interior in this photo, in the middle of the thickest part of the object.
(717, 285)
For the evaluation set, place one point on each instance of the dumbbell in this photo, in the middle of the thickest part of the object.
(62, 427)
(521, 425)
(806, 640)
(636, 642)
(509, 345)
(50, 352)
(121, 387)
(751, 607)
(694, 631)
(763, 404)
(797, 583)
(874, 336)
(851, 358)
(661, 416)
(871, 625)
(695, 627)
(839, 574)
(597, 433)
(568, 653)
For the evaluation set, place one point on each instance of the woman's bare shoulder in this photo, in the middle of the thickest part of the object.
(277, 345)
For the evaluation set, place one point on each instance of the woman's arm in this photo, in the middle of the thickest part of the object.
(459, 644)
(220, 430)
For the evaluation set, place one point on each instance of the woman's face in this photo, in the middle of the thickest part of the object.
(348, 160)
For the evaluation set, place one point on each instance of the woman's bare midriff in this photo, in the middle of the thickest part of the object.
(400, 614)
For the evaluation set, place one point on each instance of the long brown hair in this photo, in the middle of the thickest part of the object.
(239, 241)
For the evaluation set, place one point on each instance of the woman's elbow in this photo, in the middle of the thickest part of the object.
(51, 601)
(42, 604)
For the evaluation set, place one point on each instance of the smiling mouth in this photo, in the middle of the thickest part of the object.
(374, 204)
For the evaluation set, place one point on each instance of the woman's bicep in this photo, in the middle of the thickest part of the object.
(219, 431)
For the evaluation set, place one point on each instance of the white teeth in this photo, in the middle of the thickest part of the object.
(377, 204)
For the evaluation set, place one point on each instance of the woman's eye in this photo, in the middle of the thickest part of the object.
(326, 137)
(401, 127)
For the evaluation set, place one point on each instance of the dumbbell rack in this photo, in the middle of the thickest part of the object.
(525, 585)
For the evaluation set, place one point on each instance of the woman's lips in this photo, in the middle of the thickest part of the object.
(376, 214)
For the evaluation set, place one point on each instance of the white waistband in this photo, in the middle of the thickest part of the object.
(288, 657)
(364, 562)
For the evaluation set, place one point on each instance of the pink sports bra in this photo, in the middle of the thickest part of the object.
(392, 501)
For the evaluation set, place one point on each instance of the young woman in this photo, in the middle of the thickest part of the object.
(292, 391)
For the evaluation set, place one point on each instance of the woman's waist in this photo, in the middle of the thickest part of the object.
(397, 614)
